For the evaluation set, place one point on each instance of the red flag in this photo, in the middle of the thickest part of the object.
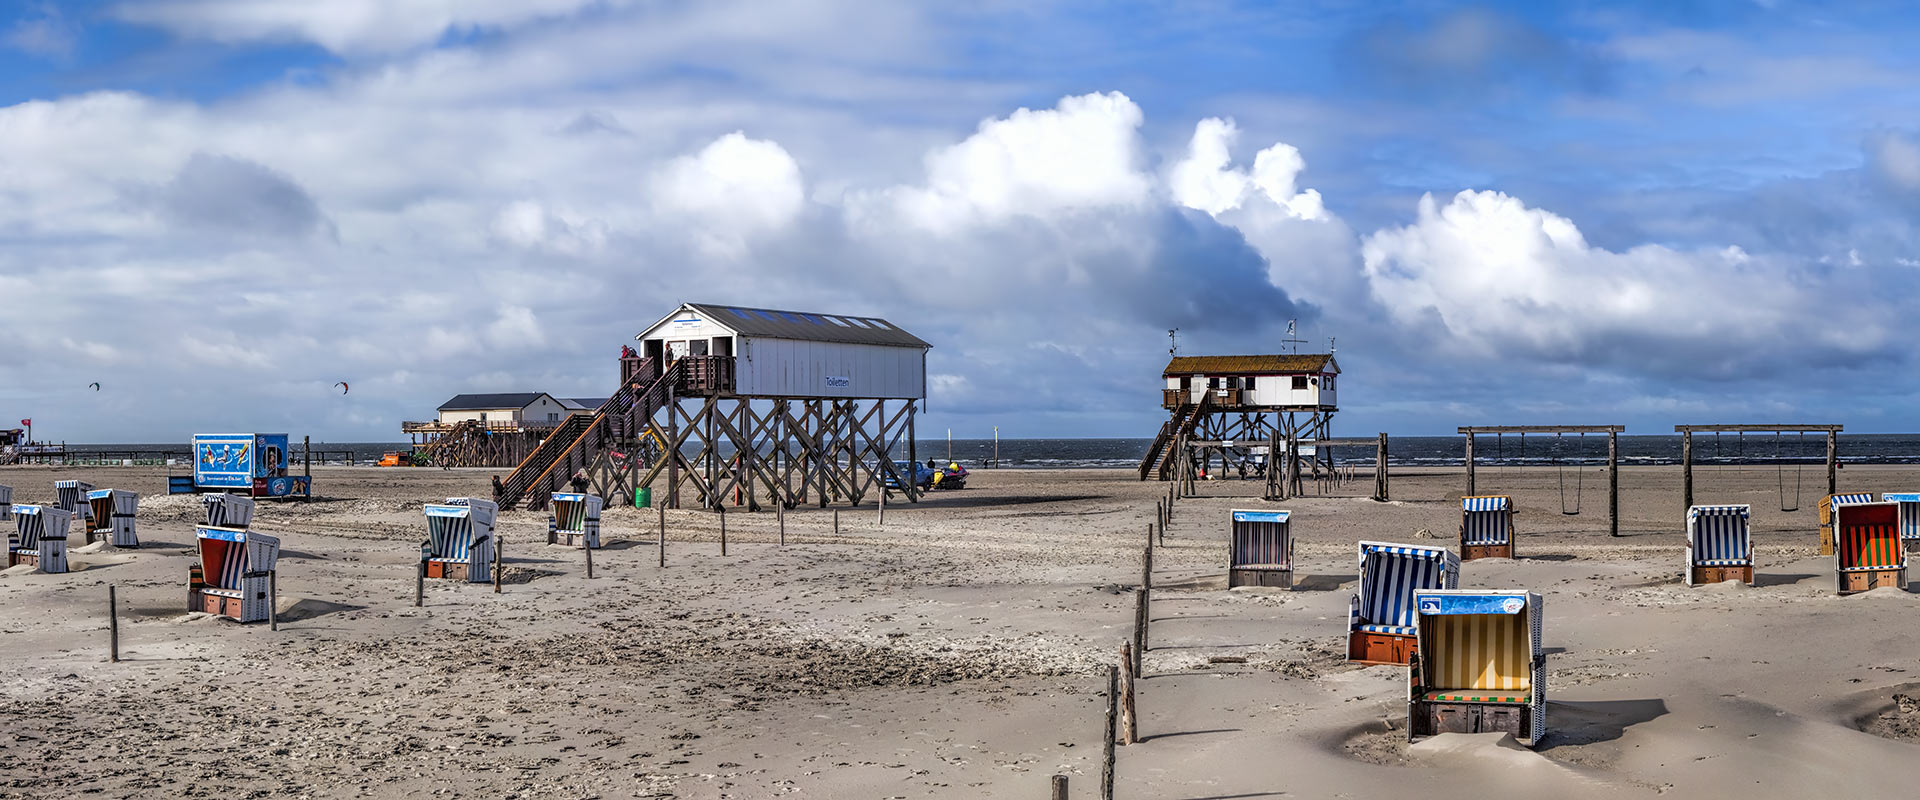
(27, 422)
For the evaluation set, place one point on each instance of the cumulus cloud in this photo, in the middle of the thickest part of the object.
(42, 31)
(732, 189)
(1490, 277)
(1205, 181)
(1083, 154)
(528, 225)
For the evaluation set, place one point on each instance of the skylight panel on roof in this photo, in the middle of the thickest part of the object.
(789, 317)
(837, 321)
(814, 318)
(764, 315)
(857, 322)
(738, 313)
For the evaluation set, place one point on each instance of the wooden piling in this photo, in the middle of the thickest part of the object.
(419, 583)
(273, 600)
(1686, 470)
(836, 522)
(589, 549)
(1470, 491)
(723, 530)
(1129, 722)
(1113, 720)
(499, 558)
(1613, 482)
(1139, 627)
(883, 506)
(780, 512)
(663, 534)
(1059, 788)
(1833, 462)
(1380, 487)
(113, 625)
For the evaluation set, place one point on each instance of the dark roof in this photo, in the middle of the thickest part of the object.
(1256, 365)
(478, 402)
(588, 403)
(808, 326)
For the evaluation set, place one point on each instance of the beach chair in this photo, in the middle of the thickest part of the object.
(1380, 626)
(1261, 553)
(113, 512)
(1719, 545)
(1478, 667)
(228, 510)
(72, 497)
(234, 576)
(459, 543)
(6, 503)
(575, 516)
(1486, 527)
(1827, 505)
(40, 538)
(1870, 553)
(1909, 516)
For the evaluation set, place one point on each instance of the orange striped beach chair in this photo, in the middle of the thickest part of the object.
(1479, 667)
(1869, 552)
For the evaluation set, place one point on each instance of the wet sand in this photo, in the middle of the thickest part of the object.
(960, 651)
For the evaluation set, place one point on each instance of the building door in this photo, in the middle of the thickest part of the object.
(677, 350)
(723, 346)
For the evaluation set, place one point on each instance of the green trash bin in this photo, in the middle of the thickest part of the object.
(643, 497)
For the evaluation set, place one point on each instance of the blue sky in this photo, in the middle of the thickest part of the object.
(1577, 213)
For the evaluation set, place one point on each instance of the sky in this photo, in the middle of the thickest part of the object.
(1577, 213)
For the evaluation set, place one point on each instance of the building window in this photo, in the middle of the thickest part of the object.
(1326, 382)
(1247, 383)
(483, 416)
(1299, 382)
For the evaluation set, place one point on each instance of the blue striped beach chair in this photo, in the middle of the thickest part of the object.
(71, 496)
(575, 517)
(1869, 551)
(1827, 505)
(113, 516)
(228, 510)
(1380, 627)
(1719, 544)
(234, 576)
(460, 543)
(1909, 516)
(1261, 549)
(40, 538)
(6, 503)
(1479, 667)
(1486, 527)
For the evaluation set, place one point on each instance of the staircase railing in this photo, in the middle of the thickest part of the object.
(575, 447)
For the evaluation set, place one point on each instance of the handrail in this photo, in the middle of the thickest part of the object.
(573, 439)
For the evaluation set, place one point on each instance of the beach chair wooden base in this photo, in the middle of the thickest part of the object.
(1276, 578)
(16, 558)
(1434, 718)
(1719, 574)
(1473, 551)
(1854, 581)
(1364, 647)
(569, 539)
(452, 570)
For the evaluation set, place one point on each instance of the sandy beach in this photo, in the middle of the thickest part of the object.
(959, 651)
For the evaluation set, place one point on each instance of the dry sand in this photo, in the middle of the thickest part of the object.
(959, 651)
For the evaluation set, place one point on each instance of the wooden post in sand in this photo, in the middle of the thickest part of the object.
(1139, 627)
(836, 522)
(883, 506)
(1833, 461)
(589, 549)
(723, 530)
(498, 557)
(113, 625)
(1129, 722)
(419, 583)
(1059, 788)
(1613, 482)
(1113, 720)
(1380, 470)
(780, 511)
(1686, 469)
(273, 600)
(1470, 467)
(663, 534)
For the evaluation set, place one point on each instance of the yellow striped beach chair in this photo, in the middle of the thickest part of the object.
(1479, 667)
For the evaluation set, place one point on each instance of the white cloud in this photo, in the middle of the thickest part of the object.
(1495, 278)
(733, 189)
(1205, 181)
(1083, 154)
(529, 225)
(43, 32)
(343, 26)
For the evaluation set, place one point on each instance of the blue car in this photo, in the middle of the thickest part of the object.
(922, 476)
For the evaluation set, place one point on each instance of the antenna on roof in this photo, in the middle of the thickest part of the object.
(1329, 345)
(1173, 341)
(1293, 339)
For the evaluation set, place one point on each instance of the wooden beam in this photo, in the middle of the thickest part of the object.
(1476, 429)
(1759, 428)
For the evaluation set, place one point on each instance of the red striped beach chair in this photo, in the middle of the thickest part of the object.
(234, 576)
(1827, 505)
(1380, 627)
(1719, 545)
(1479, 667)
(1870, 553)
(1486, 527)
(1261, 553)
(459, 543)
(40, 538)
(113, 516)
(576, 517)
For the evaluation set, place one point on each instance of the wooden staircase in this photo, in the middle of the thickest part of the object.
(1160, 454)
(582, 441)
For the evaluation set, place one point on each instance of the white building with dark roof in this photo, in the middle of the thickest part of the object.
(795, 354)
